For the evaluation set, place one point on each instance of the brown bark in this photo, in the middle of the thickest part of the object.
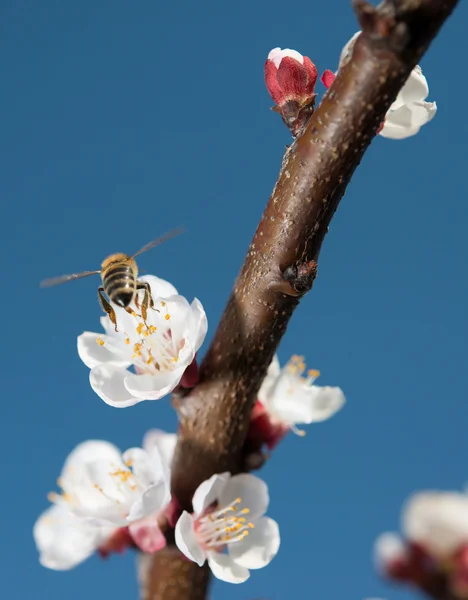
(280, 265)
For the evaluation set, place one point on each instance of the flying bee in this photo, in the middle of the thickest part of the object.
(119, 275)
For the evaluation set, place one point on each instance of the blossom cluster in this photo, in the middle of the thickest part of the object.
(290, 79)
(110, 501)
(431, 554)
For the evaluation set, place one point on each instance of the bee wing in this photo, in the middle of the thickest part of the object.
(167, 236)
(65, 278)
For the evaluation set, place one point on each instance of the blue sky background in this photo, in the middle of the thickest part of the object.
(120, 120)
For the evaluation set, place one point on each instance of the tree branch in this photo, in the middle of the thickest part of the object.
(280, 265)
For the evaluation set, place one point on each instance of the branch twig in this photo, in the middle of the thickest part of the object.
(280, 265)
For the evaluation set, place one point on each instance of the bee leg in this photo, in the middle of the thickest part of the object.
(147, 298)
(106, 307)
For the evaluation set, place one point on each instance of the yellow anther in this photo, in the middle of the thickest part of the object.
(127, 340)
(167, 317)
(124, 475)
(237, 501)
(241, 520)
(250, 525)
(150, 360)
(245, 511)
(129, 463)
(140, 328)
(163, 304)
(100, 341)
(175, 359)
(53, 496)
(152, 328)
(313, 373)
(296, 358)
(99, 488)
(133, 313)
(60, 482)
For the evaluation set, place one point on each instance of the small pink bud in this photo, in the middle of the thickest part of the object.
(147, 535)
(290, 79)
(328, 77)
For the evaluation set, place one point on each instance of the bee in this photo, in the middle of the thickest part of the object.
(119, 276)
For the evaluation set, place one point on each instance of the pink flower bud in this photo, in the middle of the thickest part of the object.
(290, 76)
(290, 79)
(328, 77)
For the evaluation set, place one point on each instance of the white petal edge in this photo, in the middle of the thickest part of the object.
(160, 288)
(224, 568)
(259, 548)
(252, 490)
(388, 548)
(276, 55)
(92, 353)
(268, 384)
(152, 501)
(108, 383)
(208, 492)
(164, 442)
(153, 387)
(62, 540)
(186, 539)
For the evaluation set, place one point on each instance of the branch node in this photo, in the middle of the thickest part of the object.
(300, 277)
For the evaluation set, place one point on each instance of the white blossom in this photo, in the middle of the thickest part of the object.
(227, 527)
(63, 541)
(291, 399)
(389, 548)
(104, 487)
(438, 521)
(159, 349)
(410, 111)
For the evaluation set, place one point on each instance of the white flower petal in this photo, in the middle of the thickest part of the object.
(63, 541)
(225, 569)
(269, 382)
(276, 55)
(388, 548)
(89, 451)
(164, 442)
(415, 89)
(259, 547)
(108, 383)
(152, 387)
(160, 288)
(252, 490)
(437, 520)
(153, 500)
(92, 353)
(208, 492)
(146, 468)
(186, 539)
(309, 404)
(198, 323)
(407, 120)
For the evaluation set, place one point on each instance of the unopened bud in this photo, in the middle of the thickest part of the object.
(290, 79)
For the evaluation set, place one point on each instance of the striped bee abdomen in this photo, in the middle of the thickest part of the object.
(120, 284)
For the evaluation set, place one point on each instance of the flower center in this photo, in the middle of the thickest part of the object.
(223, 526)
(154, 347)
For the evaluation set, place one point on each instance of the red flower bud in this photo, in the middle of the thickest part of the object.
(290, 79)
